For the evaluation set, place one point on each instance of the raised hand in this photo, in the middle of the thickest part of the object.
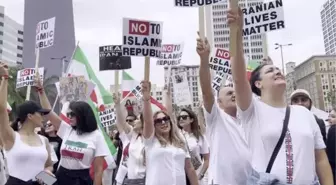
(235, 18)
(3, 69)
(146, 89)
(116, 98)
(203, 47)
(38, 81)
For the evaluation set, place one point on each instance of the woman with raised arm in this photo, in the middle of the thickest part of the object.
(135, 163)
(82, 143)
(22, 146)
(286, 143)
(167, 158)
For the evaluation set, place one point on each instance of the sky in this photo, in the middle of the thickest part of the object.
(99, 22)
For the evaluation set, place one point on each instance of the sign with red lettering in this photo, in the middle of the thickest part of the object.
(220, 60)
(26, 77)
(264, 17)
(195, 3)
(141, 38)
(45, 33)
(171, 54)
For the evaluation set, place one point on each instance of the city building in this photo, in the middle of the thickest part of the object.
(11, 39)
(64, 40)
(255, 46)
(317, 75)
(328, 14)
(290, 79)
(193, 79)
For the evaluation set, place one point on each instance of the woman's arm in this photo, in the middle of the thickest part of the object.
(205, 166)
(147, 110)
(323, 169)
(121, 124)
(98, 170)
(191, 173)
(49, 164)
(7, 134)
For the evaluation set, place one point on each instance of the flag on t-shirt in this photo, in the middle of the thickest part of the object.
(128, 84)
(79, 66)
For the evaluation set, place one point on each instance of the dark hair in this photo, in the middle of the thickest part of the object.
(85, 117)
(15, 124)
(141, 118)
(128, 102)
(255, 76)
(195, 129)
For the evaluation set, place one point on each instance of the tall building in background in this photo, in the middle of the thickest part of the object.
(255, 46)
(157, 93)
(328, 17)
(64, 43)
(193, 79)
(11, 39)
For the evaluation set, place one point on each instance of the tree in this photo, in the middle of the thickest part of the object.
(18, 96)
(331, 96)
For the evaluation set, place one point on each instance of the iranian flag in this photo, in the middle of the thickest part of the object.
(129, 84)
(251, 65)
(79, 66)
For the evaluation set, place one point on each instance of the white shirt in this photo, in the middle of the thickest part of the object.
(3, 169)
(78, 151)
(135, 163)
(263, 125)
(229, 156)
(165, 165)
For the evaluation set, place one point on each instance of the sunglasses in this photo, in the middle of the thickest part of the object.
(183, 117)
(71, 114)
(162, 120)
(129, 120)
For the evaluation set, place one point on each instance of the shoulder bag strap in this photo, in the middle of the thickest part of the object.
(281, 139)
(187, 144)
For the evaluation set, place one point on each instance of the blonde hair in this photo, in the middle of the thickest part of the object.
(174, 135)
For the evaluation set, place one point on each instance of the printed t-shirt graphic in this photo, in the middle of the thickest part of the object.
(74, 150)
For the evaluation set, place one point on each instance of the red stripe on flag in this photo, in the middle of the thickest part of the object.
(64, 118)
(93, 97)
(72, 154)
(158, 104)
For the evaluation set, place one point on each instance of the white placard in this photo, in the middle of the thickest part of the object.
(45, 33)
(171, 54)
(220, 63)
(263, 18)
(26, 77)
(195, 3)
(137, 92)
(142, 38)
(107, 117)
(182, 95)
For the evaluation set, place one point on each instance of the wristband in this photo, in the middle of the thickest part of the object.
(6, 77)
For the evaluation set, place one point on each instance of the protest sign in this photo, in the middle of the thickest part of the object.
(182, 95)
(137, 92)
(195, 3)
(219, 79)
(45, 33)
(26, 77)
(142, 38)
(107, 117)
(73, 88)
(171, 54)
(110, 58)
(220, 61)
(263, 18)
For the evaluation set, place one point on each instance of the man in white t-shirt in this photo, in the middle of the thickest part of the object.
(229, 155)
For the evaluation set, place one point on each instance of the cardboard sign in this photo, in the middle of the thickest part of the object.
(263, 18)
(110, 58)
(45, 33)
(137, 92)
(219, 79)
(195, 3)
(107, 117)
(220, 61)
(26, 77)
(171, 54)
(73, 89)
(142, 38)
(182, 95)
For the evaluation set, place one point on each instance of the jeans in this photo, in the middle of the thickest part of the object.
(261, 178)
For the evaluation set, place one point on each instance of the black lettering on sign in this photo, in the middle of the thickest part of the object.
(110, 58)
(168, 62)
(190, 3)
(262, 7)
(264, 28)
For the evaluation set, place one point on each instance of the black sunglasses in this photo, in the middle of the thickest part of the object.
(71, 114)
(183, 117)
(129, 120)
(162, 120)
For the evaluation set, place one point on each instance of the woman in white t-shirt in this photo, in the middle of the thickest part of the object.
(135, 164)
(167, 158)
(302, 154)
(82, 143)
(197, 143)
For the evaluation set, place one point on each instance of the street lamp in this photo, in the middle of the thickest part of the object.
(282, 60)
(63, 63)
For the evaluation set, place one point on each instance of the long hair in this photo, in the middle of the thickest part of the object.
(195, 129)
(174, 135)
(255, 76)
(85, 117)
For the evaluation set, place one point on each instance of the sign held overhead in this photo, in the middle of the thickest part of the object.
(195, 3)
(171, 54)
(45, 33)
(110, 58)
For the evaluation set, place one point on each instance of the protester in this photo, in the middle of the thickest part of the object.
(331, 142)
(3, 166)
(23, 147)
(302, 152)
(229, 157)
(136, 169)
(82, 145)
(302, 97)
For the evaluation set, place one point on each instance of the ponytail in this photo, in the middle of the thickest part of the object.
(15, 124)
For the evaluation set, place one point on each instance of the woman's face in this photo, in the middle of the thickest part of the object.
(72, 117)
(49, 128)
(36, 119)
(162, 123)
(270, 77)
(332, 117)
(184, 119)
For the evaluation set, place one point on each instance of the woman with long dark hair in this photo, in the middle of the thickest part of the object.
(82, 145)
(331, 142)
(23, 147)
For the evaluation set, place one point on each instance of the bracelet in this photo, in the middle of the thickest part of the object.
(6, 77)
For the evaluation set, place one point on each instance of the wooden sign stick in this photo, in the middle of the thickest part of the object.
(147, 68)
